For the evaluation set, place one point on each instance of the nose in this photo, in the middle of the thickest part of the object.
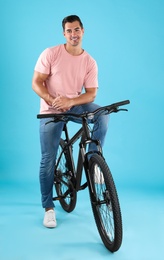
(73, 33)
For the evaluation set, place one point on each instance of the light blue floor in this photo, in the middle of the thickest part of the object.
(22, 236)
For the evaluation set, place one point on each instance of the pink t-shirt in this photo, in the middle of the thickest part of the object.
(68, 74)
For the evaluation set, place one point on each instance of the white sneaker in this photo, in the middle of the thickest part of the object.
(50, 219)
(98, 176)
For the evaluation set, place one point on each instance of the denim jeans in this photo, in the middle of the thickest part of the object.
(49, 139)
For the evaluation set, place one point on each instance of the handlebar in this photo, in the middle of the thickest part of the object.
(105, 110)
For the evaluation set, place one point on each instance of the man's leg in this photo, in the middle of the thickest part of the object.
(49, 139)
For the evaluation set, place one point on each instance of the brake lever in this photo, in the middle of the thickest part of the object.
(52, 121)
(116, 109)
(122, 109)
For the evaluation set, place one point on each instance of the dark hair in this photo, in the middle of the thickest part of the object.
(71, 19)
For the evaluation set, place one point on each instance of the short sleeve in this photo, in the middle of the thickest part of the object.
(91, 78)
(43, 64)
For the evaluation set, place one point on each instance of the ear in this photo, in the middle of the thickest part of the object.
(64, 33)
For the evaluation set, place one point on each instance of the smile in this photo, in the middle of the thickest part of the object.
(74, 38)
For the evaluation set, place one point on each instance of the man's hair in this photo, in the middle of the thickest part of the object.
(71, 19)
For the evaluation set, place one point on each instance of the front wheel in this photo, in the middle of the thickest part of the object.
(105, 203)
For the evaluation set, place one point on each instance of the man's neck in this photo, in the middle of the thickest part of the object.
(74, 50)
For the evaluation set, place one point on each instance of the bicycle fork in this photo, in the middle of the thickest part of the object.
(85, 157)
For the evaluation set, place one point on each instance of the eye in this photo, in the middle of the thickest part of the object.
(68, 31)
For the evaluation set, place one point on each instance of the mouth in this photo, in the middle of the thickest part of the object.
(74, 38)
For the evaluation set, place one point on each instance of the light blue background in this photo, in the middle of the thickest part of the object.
(127, 40)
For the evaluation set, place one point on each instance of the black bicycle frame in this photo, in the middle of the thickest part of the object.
(82, 161)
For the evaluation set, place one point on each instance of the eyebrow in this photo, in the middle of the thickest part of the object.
(68, 29)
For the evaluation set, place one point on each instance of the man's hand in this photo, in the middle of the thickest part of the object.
(62, 104)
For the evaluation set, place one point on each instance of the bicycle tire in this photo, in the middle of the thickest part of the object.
(105, 204)
(64, 180)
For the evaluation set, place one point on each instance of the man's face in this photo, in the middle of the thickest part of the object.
(73, 33)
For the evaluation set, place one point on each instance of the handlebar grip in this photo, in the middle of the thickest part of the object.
(121, 103)
(44, 115)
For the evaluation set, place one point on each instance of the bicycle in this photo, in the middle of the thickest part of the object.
(68, 178)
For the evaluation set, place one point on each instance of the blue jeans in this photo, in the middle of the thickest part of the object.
(49, 139)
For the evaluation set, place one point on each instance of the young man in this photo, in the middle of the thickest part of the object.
(61, 73)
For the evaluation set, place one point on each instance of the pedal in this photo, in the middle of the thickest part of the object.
(56, 198)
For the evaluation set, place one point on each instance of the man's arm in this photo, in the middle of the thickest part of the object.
(60, 103)
(38, 85)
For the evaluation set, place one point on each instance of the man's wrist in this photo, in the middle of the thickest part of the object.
(49, 99)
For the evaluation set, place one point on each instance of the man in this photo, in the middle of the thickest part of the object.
(60, 74)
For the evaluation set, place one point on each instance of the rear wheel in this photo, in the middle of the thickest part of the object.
(105, 203)
(64, 180)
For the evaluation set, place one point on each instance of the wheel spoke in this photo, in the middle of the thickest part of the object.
(105, 210)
